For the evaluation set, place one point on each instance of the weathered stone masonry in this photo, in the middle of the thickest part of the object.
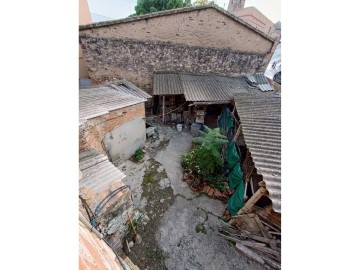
(135, 60)
(190, 40)
(92, 133)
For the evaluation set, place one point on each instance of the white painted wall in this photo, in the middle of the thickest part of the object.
(122, 141)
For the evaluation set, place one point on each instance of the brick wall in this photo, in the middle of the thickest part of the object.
(207, 28)
(93, 131)
(136, 61)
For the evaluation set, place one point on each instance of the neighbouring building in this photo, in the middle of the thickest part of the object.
(203, 39)
(84, 18)
(254, 17)
(112, 119)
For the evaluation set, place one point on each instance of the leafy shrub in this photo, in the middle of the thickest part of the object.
(205, 159)
(138, 154)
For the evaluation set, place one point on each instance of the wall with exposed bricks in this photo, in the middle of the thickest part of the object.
(92, 133)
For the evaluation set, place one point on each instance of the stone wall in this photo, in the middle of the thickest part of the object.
(92, 133)
(136, 61)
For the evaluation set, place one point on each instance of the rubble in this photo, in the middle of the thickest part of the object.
(255, 238)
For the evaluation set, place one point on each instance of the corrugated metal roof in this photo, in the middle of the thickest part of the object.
(203, 88)
(97, 171)
(167, 84)
(131, 89)
(260, 117)
(206, 88)
(260, 81)
(96, 101)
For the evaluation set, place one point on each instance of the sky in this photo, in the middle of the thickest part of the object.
(116, 9)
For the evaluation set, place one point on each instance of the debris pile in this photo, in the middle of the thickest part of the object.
(255, 238)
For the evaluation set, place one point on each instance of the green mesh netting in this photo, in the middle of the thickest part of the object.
(233, 159)
(236, 179)
(226, 121)
(236, 201)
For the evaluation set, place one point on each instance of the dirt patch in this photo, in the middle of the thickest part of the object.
(147, 254)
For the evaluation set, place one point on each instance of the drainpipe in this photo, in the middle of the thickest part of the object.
(163, 109)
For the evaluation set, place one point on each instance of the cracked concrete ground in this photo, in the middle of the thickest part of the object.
(181, 225)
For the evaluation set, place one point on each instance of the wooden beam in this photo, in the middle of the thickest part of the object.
(237, 134)
(163, 109)
(250, 203)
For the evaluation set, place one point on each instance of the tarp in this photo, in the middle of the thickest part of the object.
(236, 179)
(233, 159)
(226, 121)
(236, 201)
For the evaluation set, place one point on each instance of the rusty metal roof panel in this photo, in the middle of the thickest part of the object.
(260, 117)
(101, 100)
(167, 84)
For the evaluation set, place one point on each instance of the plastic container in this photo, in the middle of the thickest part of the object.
(179, 127)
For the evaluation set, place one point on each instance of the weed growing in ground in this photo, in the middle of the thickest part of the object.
(138, 155)
(200, 228)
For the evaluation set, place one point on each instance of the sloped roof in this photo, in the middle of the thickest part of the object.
(131, 89)
(100, 100)
(260, 118)
(97, 171)
(171, 12)
(200, 87)
(260, 81)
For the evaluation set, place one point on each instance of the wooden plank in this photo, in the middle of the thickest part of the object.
(230, 238)
(265, 232)
(249, 253)
(269, 250)
(252, 244)
(237, 134)
(267, 224)
(261, 227)
(249, 204)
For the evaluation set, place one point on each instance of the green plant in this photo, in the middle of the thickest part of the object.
(138, 155)
(200, 228)
(205, 159)
(216, 181)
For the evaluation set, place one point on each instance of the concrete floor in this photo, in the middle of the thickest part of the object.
(183, 228)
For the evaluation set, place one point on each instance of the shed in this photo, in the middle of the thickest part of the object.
(260, 125)
(112, 119)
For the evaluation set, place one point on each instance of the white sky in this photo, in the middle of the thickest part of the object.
(116, 9)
